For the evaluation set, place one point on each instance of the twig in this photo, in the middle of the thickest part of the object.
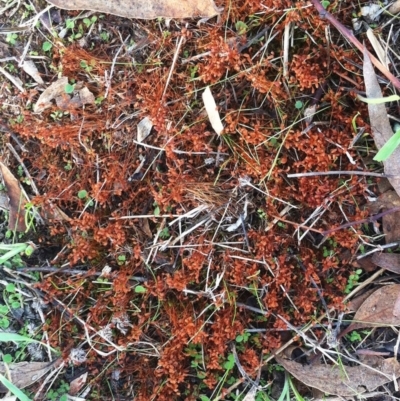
(14, 80)
(108, 81)
(171, 70)
(346, 172)
(367, 220)
(352, 39)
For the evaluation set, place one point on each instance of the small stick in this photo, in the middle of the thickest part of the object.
(367, 220)
(363, 173)
(352, 39)
(178, 48)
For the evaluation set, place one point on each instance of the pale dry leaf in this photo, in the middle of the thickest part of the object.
(379, 50)
(23, 374)
(30, 68)
(86, 96)
(345, 381)
(395, 7)
(380, 125)
(144, 9)
(377, 310)
(212, 111)
(16, 200)
(143, 129)
(56, 89)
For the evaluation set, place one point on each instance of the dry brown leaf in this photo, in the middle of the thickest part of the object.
(23, 374)
(377, 310)
(56, 89)
(144, 9)
(49, 211)
(380, 125)
(388, 261)
(17, 201)
(345, 381)
(388, 200)
(355, 303)
(76, 384)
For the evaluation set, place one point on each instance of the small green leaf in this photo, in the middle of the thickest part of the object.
(10, 287)
(325, 3)
(3, 309)
(204, 397)
(82, 194)
(46, 46)
(156, 211)
(69, 88)
(7, 358)
(230, 363)
(388, 148)
(69, 23)
(139, 289)
(298, 105)
(239, 338)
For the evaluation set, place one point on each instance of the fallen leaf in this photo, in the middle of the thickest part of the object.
(81, 97)
(388, 200)
(395, 7)
(30, 68)
(377, 310)
(23, 374)
(212, 111)
(345, 381)
(144, 9)
(379, 50)
(76, 384)
(355, 303)
(388, 261)
(380, 125)
(56, 89)
(17, 202)
(49, 211)
(143, 129)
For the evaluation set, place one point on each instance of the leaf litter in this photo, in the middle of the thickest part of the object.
(144, 9)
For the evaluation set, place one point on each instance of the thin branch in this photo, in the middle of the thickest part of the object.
(362, 173)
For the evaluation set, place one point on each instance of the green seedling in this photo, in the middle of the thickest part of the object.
(46, 46)
(15, 249)
(353, 280)
(11, 38)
